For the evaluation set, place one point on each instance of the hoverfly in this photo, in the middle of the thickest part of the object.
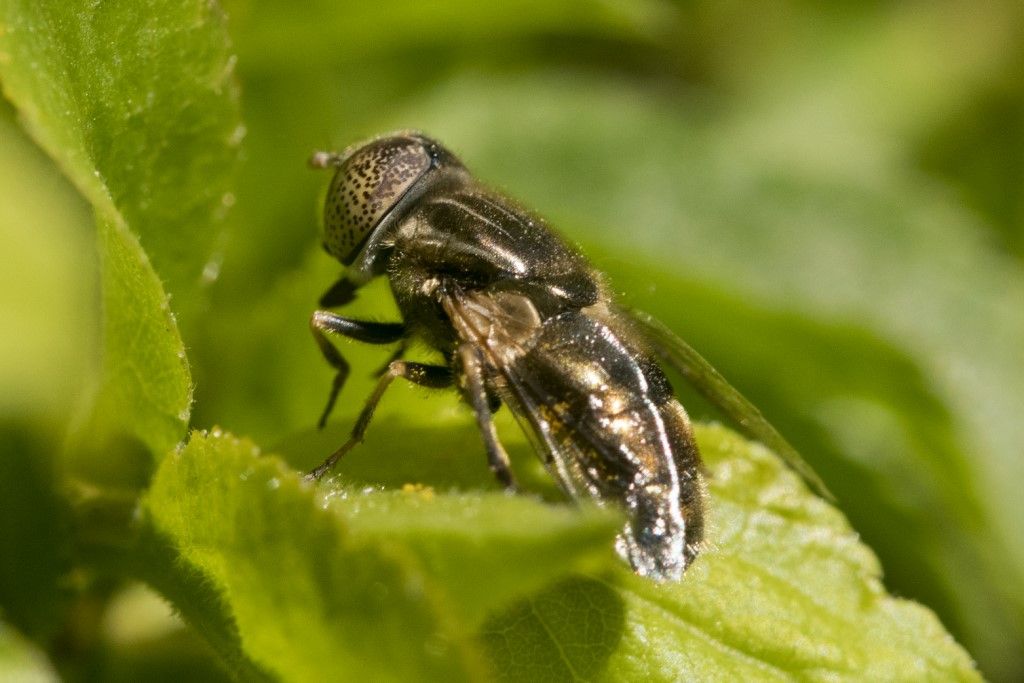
(521, 318)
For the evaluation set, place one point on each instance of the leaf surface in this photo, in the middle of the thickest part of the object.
(320, 582)
(785, 590)
(136, 104)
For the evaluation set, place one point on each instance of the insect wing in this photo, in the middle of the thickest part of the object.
(598, 419)
(529, 376)
(717, 390)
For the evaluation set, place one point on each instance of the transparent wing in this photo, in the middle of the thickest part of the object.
(716, 389)
(487, 322)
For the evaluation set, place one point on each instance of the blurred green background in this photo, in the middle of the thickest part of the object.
(828, 202)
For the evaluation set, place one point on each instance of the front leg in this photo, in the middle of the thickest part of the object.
(323, 323)
(341, 292)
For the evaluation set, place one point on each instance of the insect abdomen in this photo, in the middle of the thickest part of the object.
(613, 434)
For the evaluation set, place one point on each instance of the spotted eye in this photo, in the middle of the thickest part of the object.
(369, 182)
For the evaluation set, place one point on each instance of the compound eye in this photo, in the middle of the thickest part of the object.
(367, 186)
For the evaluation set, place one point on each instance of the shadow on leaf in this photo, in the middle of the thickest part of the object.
(567, 632)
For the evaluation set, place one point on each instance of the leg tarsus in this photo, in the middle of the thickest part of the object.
(432, 376)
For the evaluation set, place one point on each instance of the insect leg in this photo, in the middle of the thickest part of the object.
(324, 322)
(340, 293)
(476, 392)
(431, 376)
(397, 355)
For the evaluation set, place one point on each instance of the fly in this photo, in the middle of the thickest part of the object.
(520, 318)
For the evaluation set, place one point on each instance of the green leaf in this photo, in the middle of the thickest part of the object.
(45, 284)
(35, 543)
(823, 274)
(45, 306)
(908, 484)
(484, 549)
(856, 399)
(136, 104)
(146, 383)
(745, 248)
(20, 661)
(338, 581)
(324, 581)
(785, 589)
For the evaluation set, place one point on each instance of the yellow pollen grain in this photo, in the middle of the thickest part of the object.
(425, 492)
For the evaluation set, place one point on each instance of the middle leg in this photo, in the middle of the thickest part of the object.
(476, 392)
(431, 376)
